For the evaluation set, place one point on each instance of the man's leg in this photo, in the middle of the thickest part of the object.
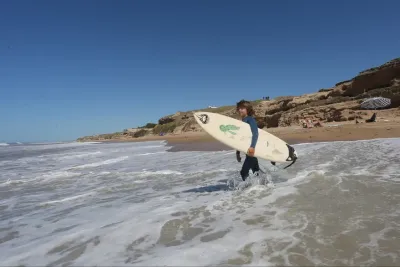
(244, 172)
(255, 167)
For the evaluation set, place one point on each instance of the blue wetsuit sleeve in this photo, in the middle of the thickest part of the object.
(254, 131)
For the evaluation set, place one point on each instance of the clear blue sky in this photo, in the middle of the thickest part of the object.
(74, 68)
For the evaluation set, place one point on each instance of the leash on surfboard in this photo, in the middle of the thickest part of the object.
(292, 157)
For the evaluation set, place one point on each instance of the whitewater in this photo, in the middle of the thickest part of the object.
(86, 204)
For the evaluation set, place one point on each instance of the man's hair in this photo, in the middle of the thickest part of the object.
(247, 105)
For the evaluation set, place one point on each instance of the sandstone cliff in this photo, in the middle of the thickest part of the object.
(339, 103)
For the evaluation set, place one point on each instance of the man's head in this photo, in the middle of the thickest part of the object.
(244, 108)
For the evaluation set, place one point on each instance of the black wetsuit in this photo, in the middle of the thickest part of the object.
(250, 163)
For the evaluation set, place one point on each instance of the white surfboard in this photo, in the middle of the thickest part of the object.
(237, 135)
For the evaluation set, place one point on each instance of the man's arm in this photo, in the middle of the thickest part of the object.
(254, 131)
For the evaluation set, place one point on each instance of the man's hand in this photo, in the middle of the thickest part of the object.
(239, 159)
(251, 151)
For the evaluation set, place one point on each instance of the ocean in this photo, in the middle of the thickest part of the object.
(86, 204)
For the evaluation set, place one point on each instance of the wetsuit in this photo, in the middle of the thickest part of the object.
(250, 162)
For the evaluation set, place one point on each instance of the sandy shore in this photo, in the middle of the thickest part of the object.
(295, 135)
(201, 141)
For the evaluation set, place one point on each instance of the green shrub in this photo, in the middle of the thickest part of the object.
(106, 136)
(140, 133)
(149, 125)
(164, 128)
(165, 120)
(256, 102)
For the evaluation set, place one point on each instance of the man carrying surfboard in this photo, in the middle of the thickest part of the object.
(246, 111)
(236, 134)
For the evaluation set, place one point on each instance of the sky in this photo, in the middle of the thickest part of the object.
(75, 68)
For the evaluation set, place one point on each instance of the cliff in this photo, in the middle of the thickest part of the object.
(339, 103)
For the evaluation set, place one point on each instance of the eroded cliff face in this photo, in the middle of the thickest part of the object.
(339, 103)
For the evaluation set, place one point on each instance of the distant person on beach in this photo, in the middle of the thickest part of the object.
(246, 111)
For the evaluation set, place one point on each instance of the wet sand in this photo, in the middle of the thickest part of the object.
(339, 131)
(294, 135)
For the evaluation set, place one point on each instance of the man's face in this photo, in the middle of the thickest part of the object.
(242, 112)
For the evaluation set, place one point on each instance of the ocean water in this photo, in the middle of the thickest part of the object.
(136, 204)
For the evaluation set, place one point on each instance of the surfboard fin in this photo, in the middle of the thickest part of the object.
(292, 156)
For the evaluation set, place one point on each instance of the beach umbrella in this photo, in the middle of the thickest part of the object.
(375, 103)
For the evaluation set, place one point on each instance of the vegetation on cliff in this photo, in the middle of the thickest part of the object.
(165, 128)
(149, 125)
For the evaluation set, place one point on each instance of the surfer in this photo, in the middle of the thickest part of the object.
(246, 111)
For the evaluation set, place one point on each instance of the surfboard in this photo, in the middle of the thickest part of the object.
(237, 135)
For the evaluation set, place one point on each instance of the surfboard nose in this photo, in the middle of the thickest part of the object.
(201, 117)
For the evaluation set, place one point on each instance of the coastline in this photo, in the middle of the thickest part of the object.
(345, 131)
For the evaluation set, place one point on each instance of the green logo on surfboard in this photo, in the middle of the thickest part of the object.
(229, 128)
